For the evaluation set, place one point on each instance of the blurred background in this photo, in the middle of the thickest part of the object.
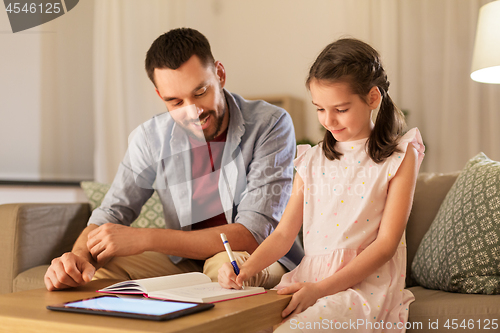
(71, 90)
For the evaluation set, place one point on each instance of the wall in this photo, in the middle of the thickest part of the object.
(426, 48)
(40, 194)
(46, 115)
(46, 84)
(267, 47)
(20, 110)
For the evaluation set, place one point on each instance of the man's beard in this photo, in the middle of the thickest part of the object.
(218, 124)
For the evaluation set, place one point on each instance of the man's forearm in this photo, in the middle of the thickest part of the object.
(200, 244)
(80, 247)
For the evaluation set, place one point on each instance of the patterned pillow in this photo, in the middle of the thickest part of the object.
(461, 250)
(151, 214)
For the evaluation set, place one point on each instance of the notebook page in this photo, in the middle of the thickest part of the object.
(173, 281)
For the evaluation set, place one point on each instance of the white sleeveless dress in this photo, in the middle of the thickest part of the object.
(343, 205)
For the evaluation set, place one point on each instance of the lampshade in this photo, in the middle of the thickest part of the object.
(486, 58)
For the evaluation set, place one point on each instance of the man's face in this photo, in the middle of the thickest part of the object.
(194, 97)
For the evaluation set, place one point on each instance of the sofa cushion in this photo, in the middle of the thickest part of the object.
(478, 313)
(430, 192)
(461, 250)
(151, 215)
(30, 279)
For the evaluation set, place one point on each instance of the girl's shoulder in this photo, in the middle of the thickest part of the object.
(412, 138)
(305, 154)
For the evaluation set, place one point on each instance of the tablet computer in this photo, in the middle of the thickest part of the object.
(141, 308)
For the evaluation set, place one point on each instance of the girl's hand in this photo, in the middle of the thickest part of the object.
(304, 295)
(228, 279)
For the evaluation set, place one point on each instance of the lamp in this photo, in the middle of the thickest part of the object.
(486, 57)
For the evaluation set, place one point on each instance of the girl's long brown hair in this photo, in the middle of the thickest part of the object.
(358, 64)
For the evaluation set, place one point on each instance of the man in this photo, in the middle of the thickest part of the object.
(219, 163)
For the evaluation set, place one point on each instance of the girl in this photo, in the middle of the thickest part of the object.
(353, 194)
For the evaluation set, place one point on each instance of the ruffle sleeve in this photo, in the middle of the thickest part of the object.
(300, 162)
(412, 136)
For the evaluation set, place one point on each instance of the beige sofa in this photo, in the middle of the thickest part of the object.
(33, 234)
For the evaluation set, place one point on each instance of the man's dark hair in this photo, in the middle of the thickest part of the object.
(175, 47)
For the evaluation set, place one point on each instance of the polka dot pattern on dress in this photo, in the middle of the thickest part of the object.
(342, 213)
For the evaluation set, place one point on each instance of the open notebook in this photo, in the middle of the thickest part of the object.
(187, 287)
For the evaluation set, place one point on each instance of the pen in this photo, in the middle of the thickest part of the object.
(230, 253)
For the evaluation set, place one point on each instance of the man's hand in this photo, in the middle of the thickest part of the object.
(115, 240)
(67, 271)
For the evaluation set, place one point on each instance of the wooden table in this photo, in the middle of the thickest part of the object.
(25, 312)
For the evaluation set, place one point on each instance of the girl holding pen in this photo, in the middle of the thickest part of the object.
(352, 194)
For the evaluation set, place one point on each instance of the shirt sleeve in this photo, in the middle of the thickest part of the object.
(269, 178)
(300, 162)
(411, 137)
(132, 186)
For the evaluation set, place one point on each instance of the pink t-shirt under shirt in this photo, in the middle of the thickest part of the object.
(206, 161)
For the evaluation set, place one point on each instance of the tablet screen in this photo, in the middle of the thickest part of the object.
(132, 307)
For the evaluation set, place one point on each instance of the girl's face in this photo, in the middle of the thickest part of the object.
(344, 114)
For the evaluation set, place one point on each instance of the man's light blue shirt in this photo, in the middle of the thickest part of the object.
(255, 178)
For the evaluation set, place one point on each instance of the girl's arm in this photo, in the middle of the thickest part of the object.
(275, 246)
(396, 213)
